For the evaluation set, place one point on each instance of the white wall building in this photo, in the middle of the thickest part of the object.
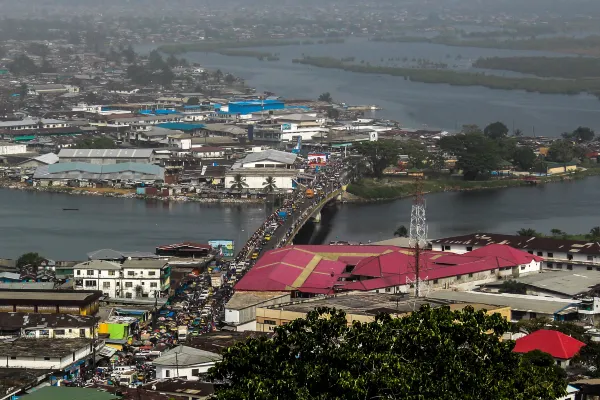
(184, 362)
(256, 167)
(13, 149)
(51, 354)
(132, 279)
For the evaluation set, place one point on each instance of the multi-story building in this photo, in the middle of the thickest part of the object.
(46, 326)
(131, 279)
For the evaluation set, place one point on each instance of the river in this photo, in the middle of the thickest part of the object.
(415, 105)
(32, 221)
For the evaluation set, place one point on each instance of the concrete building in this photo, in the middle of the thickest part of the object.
(36, 90)
(107, 156)
(560, 346)
(85, 174)
(359, 307)
(132, 279)
(576, 255)
(48, 354)
(184, 362)
(44, 159)
(8, 149)
(256, 167)
(240, 310)
(46, 326)
(50, 301)
(28, 124)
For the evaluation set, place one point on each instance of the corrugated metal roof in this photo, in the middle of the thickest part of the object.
(80, 170)
(105, 153)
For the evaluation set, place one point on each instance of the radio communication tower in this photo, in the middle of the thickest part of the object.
(418, 230)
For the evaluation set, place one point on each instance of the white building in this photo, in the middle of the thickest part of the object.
(46, 326)
(12, 149)
(33, 124)
(132, 279)
(256, 167)
(182, 141)
(50, 354)
(557, 253)
(184, 362)
(208, 152)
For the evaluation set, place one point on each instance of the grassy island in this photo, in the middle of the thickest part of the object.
(550, 86)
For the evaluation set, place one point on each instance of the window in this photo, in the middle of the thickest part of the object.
(153, 284)
(540, 253)
(106, 285)
(550, 254)
(530, 251)
(559, 265)
(13, 358)
(446, 248)
(550, 265)
(589, 268)
(492, 272)
(151, 273)
(522, 267)
(269, 322)
(387, 289)
(590, 258)
(78, 272)
(470, 275)
(143, 283)
(458, 277)
(111, 273)
(129, 273)
(128, 295)
(569, 256)
(90, 272)
(90, 283)
(128, 284)
(435, 281)
(558, 362)
(569, 267)
(59, 332)
(47, 358)
(167, 373)
(469, 248)
(195, 372)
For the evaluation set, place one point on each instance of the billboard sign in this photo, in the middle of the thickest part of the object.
(225, 247)
(315, 158)
(286, 127)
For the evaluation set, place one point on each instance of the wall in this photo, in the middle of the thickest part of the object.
(39, 362)
(174, 372)
(13, 149)
(69, 333)
(257, 182)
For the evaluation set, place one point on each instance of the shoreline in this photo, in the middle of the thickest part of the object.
(131, 195)
(442, 186)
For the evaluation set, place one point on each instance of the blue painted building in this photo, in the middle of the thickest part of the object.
(254, 106)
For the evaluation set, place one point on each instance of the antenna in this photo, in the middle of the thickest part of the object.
(418, 230)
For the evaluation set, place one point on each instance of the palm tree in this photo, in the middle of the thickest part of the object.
(401, 231)
(269, 185)
(594, 233)
(528, 232)
(239, 182)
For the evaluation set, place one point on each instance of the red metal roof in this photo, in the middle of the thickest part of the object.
(510, 254)
(555, 343)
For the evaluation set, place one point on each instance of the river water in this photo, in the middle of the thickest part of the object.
(32, 221)
(415, 105)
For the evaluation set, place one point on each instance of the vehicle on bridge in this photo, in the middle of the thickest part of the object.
(310, 193)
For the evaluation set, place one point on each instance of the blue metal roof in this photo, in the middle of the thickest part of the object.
(180, 126)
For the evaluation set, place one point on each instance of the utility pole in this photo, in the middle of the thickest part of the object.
(418, 229)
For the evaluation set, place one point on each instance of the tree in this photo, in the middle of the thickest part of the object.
(581, 135)
(557, 233)
(172, 61)
(518, 132)
(528, 232)
(594, 233)
(269, 185)
(401, 231)
(538, 358)
(561, 151)
(22, 65)
(437, 162)
(476, 153)
(33, 259)
(524, 158)
(416, 152)
(326, 97)
(128, 54)
(155, 61)
(380, 154)
(193, 101)
(429, 354)
(239, 182)
(23, 90)
(229, 79)
(95, 143)
(515, 287)
(496, 130)
(333, 113)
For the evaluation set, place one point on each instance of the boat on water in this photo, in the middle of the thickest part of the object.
(70, 209)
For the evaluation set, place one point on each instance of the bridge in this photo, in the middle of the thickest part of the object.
(305, 210)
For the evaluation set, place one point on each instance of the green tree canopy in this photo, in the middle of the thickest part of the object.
(430, 354)
(496, 130)
(326, 97)
(561, 151)
(524, 158)
(476, 154)
(22, 65)
(528, 232)
(380, 154)
(193, 101)
(95, 143)
(416, 152)
(581, 135)
(239, 182)
(29, 259)
(401, 231)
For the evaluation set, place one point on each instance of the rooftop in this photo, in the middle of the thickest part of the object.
(24, 347)
(110, 254)
(98, 265)
(242, 300)
(524, 242)
(186, 356)
(216, 342)
(537, 304)
(561, 282)
(48, 296)
(271, 155)
(18, 320)
(105, 153)
(144, 264)
(183, 387)
(555, 343)
(69, 393)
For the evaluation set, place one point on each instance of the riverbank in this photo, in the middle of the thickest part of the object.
(369, 190)
(455, 78)
(225, 47)
(126, 194)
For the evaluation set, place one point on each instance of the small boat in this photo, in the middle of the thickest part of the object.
(70, 209)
